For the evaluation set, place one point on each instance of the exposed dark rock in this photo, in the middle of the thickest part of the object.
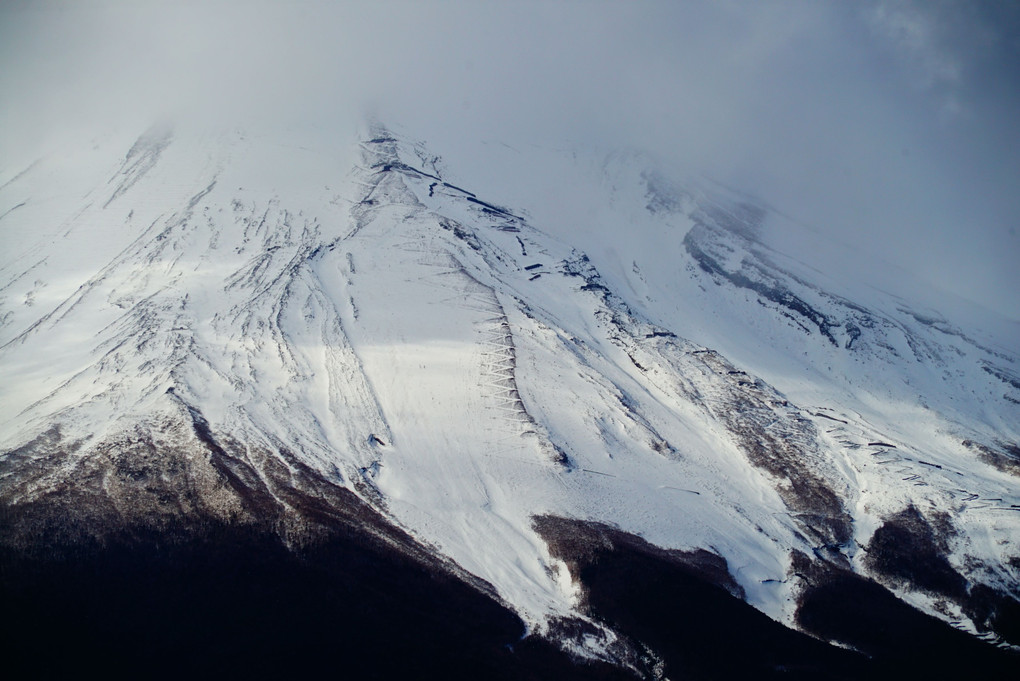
(901, 642)
(773, 291)
(685, 609)
(774, 440)
(150, 561)
(993, 610)
(773, 437)
(910, 550)
(1007, 377)
(831, 418)
(491, 208)
(1004, 456)
(853, 333)
(455, 187)
(236, 601)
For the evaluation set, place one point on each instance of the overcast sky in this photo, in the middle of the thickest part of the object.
(877, 121)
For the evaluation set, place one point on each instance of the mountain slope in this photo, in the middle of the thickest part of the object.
(293, 335)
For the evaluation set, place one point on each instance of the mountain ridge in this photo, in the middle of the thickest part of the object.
(437, 361)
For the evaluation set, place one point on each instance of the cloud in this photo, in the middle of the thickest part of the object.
(889, 125)
(917, 32)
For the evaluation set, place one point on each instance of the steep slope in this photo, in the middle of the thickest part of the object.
(306, 338)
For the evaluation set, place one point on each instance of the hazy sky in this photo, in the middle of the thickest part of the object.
(877, 121)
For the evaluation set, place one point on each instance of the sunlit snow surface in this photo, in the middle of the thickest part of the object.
(447, 357)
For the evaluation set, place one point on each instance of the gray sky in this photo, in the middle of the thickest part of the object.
(879, 121)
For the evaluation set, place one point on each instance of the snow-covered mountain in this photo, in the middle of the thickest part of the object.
(298, 335)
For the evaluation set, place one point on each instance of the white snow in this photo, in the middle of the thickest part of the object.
(384, 327)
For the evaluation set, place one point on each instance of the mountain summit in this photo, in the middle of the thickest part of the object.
(299, 402)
